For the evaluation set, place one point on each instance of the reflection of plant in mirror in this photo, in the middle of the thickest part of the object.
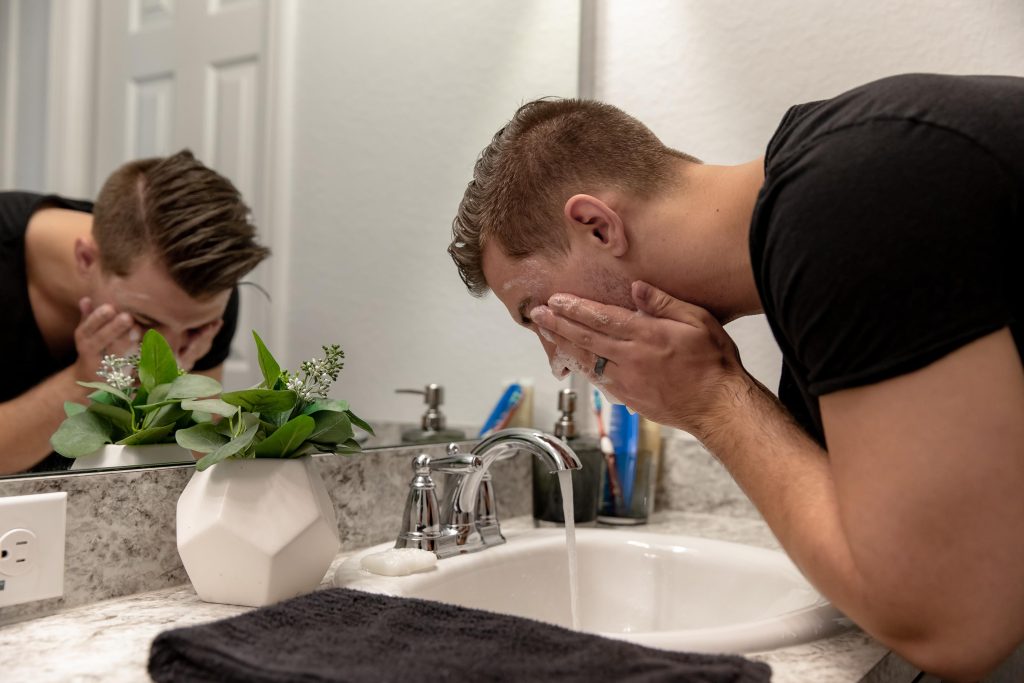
(140, 402)
(285, 416)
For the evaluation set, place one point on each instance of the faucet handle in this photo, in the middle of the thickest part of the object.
(456, 462)
(421, 523)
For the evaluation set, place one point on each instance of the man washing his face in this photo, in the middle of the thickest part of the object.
(163, 248)
(880, 235)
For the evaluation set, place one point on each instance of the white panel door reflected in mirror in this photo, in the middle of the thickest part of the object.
(350, 130)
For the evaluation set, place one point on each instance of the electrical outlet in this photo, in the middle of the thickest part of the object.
(32, 547)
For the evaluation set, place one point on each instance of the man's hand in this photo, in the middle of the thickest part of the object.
(102, 331)
(199, 344)
(670, 361)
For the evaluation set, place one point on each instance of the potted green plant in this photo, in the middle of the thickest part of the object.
(134, 413)
(255, 523)
(286, 416)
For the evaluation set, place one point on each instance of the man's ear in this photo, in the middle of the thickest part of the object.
(595, 223)
(87, 256)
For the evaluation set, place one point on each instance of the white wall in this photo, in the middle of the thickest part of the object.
(714, 78)
(24, 31)
(393, 102)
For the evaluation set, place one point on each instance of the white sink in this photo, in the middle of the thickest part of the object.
(670, 592)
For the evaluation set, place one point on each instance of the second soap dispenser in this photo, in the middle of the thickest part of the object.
(586, 483)
(432, 424)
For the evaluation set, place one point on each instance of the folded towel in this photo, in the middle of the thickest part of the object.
(340, 634)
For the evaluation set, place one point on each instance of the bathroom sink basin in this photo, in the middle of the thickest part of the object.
(670, 592)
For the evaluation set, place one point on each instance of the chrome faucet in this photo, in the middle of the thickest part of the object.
(466, 520)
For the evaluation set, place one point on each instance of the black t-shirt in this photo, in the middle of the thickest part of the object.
(888, 230)
(27, 359)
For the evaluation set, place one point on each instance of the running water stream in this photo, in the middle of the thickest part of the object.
(565, 482)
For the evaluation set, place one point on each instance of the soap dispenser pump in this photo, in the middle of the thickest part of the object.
(586, 483)
(432, 424)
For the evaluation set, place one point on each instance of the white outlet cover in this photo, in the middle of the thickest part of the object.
(32, 530)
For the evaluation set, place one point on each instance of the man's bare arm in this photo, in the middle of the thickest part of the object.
(910, 524)
(28, 421)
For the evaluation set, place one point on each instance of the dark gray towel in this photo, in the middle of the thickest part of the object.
(340, 634)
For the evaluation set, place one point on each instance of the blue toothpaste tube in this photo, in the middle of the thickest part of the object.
(624, 431)
(503, 411)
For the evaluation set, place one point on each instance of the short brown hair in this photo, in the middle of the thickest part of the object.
(550, 150)
(191, 218)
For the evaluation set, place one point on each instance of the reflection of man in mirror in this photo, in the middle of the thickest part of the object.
(163, 247)
(881, 236)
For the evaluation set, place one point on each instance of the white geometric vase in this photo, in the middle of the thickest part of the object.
(256, 531)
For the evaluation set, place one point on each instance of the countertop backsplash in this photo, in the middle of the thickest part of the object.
(692, 480)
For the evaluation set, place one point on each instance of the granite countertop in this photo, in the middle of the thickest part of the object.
(109, 641)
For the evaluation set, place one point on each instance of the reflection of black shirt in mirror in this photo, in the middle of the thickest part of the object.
(27, 360)
(888, 230)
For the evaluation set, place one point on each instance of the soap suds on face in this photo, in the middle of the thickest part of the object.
(547, 334)
(532, 275)
(399, 562)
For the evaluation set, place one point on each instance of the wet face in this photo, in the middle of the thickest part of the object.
(155, 301)
(524, 284)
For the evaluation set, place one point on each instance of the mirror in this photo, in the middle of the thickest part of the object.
(351, 129)
(351, 126)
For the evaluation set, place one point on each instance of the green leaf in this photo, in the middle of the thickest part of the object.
(210, 405)
(228, 429)
(156, 361)
(101, 386)
(158, 394)
(80, 434)
(268, 366)
(229, 449)
(262, 400)
(199, 417)
(144, 436)
(72, 408)
(193, 386)
(104, 397)
(287, 438)
(331, 427)
(119, 417)
(325, 404)
(359, 422)
(167, 415)
(203, 438)
(149, 407)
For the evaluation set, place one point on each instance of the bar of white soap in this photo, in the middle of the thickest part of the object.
(399, 561)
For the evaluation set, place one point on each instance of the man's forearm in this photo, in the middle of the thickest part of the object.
(788, 478)
(28, 421)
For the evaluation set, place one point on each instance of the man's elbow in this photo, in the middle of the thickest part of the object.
(955, 655)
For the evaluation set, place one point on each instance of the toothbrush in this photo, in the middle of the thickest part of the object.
(609, 454)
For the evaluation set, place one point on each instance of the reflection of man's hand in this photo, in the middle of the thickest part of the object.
(101, 331)
(199, 344)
